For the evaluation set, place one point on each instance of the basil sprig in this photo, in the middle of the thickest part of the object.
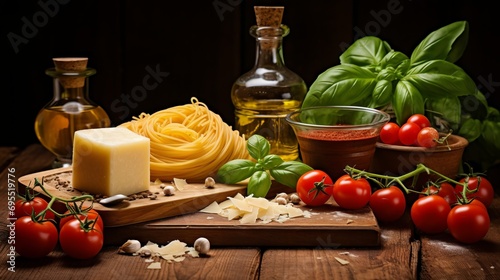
(372, 74)
(262, 169)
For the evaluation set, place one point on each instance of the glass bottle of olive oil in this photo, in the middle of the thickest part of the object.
(69, 110)
(263, 96)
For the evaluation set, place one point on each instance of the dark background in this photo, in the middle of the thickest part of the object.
(205, 45)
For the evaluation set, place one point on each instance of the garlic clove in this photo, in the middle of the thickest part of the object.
(130, 247)
(209, 183)
(169, 191)
(202, 245)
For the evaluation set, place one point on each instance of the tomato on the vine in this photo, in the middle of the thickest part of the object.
(468, 223)
(35, 239)
(389, 133)
(420, 120)
(408, 133)
(90, 215)
(484, 193)
(25, 207)
(314, 187)
(429, 214)
(351, 193)
(445, 190)
(388, 204)
(80, 240)
(428, 137)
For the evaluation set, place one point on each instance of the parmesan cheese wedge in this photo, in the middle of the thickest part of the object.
(110, 161)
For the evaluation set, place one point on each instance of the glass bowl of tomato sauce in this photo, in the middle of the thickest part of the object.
(333, 137)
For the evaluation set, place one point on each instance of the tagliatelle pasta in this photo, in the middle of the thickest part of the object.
(188, 141)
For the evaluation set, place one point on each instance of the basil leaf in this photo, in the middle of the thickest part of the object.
(382, 94)
(365, 51)
(259, 184)
(406, 101)
(258, 146)
(446, 43)
(341, 85)
(491, 136)
(270, 161)
(289, 172)
(474, 106)
(493, 114)
(440, 78)
(470, 129)
(235, 171)
(446, 109)
(393, 59)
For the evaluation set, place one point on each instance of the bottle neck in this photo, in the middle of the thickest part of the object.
(71, 85)
(269, 46)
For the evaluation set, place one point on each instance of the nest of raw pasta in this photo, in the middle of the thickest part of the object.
(188, 141)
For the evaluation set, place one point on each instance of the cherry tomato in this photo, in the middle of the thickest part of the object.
(478, 203)
(35, 239)
(419, 119)
(80, 242)
(388, 204)
(468, 223)
(25, 206)
(90, 215)
(314, 187)
(445, 190)
(351, 193)
(389, 133)
(429, 214)
(484, 193)
(408, 133)
(428, 137)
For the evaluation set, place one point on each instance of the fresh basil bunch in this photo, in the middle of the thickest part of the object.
(261, 171)
(372, 74)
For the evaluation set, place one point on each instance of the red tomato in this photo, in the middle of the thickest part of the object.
(389, 133)
(34, 239)
(484, 193)
(80, 242)
(314, 187)
(350, 193)
(468, 223)
(430, 213)
(420, 120)
(408, 134)
(428, 137)
(25, 206)
(478, 203)
(445, 191)
(90, 215)
(388, 204)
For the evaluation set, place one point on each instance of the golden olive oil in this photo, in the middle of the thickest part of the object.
(56, 125)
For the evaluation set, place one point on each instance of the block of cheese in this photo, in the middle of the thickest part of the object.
(109, 161)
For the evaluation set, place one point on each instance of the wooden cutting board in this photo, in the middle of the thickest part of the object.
(192, 198)
(175, 217)
(328, 226)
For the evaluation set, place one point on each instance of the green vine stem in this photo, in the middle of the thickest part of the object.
(420, 168)
(53, 199)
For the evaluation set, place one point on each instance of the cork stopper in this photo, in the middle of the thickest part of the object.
(71, 64)
(269, 15)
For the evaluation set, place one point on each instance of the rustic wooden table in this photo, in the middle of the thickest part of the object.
(402, 255)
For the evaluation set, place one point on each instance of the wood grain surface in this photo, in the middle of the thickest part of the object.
(403, 252)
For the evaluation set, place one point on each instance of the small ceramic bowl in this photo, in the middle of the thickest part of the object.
(396, 160)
